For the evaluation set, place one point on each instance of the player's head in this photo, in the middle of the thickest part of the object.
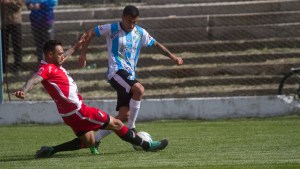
(53, 52)
(130, 18)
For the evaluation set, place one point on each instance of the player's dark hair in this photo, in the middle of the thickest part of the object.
(50, 45)
(131, 11)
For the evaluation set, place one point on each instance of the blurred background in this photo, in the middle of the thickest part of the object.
(229, 47)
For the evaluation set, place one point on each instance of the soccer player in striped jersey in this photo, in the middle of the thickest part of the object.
(124, 41)
(83, 119)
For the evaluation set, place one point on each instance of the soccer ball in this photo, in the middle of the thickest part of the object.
(145, 136)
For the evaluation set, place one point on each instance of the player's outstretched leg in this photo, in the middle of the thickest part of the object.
(47, 151)
(131, 137)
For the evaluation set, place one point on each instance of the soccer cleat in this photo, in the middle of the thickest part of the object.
(94, 149)
(158, 145)
(44, 152)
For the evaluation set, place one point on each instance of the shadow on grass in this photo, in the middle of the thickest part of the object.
(31, 157)
(64, 155)
(17, 158)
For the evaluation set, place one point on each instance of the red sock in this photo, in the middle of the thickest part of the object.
(128, 135)
(122, 131)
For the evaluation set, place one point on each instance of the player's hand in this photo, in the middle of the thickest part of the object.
(178, 61)
(19, 94)
(81, 41)
(82, 60)
(75, 47)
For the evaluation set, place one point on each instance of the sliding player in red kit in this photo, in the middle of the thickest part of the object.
(83, 119)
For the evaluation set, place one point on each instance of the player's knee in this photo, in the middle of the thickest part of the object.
(119, 124)
(116, 124)
(138, 90)
(141, 90)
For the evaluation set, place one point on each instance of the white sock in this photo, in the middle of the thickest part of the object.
(101, 134)
(134, 107)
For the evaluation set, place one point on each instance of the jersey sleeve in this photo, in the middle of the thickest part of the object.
(147, 39)
(44, 72)
(102, 30)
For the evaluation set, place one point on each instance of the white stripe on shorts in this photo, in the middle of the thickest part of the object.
(122, 82)
(86, 118)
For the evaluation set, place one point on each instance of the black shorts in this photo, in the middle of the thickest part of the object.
(122, 84)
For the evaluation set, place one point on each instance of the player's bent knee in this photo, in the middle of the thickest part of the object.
(138, 89)
(115, 124)
(141, 89)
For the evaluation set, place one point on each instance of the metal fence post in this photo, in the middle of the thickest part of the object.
(1, 67)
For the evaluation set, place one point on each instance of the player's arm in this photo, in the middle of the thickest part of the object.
(36, 79)
(163, 50)
(82, 59)
(74, 48)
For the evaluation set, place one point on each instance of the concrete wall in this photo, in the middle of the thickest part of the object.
(159, 109)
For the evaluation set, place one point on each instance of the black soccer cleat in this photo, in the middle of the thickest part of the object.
(44, 152)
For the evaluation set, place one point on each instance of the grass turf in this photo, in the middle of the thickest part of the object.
(263, 143)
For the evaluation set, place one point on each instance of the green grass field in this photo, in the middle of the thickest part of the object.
(263, 143)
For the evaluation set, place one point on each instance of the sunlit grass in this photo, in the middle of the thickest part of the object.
(264, 143)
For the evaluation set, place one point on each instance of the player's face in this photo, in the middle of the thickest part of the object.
(128, 22)
(58, 55)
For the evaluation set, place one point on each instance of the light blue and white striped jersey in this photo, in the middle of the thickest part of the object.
(123, 47)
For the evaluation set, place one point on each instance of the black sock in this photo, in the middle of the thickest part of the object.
(72, 145)
(132, 138)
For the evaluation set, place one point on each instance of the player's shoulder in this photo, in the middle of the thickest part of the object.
(43, 65)
(141, 30)
(48, 67)
(138, 27)
(109, 25)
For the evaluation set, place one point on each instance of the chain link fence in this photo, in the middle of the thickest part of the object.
(229, 47)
